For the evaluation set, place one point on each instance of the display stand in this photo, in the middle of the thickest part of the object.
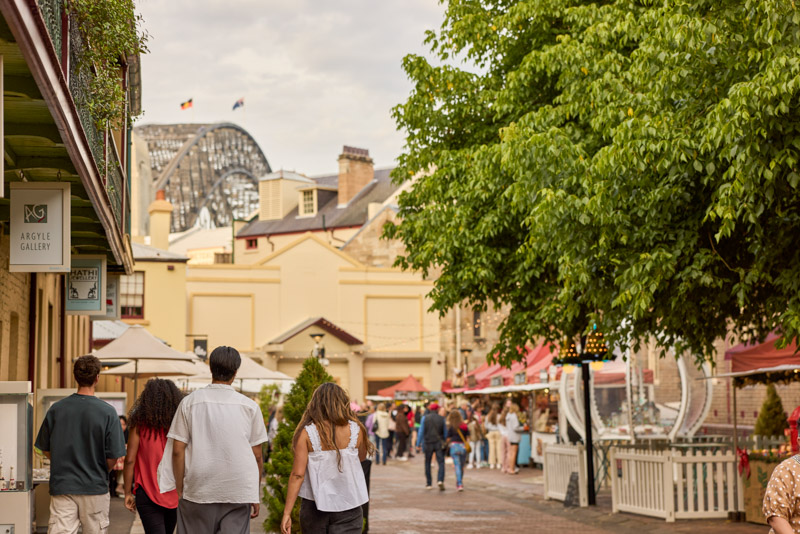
(16, 416)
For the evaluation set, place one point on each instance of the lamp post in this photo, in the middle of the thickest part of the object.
(318, 351)
(593, 349)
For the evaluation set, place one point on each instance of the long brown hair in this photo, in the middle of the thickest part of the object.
(454, 419)
(493, 413)
(330, 407)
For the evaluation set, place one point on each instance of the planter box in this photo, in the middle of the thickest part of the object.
(754, 488)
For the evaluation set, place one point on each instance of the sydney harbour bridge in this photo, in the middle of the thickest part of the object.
(211, 169)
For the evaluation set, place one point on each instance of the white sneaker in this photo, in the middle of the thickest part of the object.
(470, 466)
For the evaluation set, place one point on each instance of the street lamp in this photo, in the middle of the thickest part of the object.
(593, 349)
(318, 351)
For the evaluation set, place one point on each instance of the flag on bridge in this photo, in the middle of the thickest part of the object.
(239, 104)
(187, 104)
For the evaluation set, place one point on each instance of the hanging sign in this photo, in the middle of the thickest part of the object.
(200, 348)
(86, 286)
(112, 299)
(39, 227)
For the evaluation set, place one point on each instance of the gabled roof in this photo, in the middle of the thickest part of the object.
(319, 322)
(408, 384)
(354, 213)
(311, 237)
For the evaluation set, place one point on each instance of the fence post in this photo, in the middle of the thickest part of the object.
(546, 469)
(614, 480)
(583, 493)
(669, 487)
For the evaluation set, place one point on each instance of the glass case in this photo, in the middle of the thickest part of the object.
(16, 420)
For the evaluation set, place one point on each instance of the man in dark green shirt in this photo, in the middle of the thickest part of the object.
(82, 436)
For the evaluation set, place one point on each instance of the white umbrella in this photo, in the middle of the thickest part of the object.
(153, 368)
(248, 370)
(135, 344)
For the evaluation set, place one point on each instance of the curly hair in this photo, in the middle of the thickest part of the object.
(156, 406)
(85, 370)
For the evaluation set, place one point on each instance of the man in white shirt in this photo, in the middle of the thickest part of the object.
(216, 457)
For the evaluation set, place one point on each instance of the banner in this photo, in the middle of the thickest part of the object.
(39, 227)
(86, 286)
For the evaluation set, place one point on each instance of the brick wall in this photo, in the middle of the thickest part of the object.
(14, 297)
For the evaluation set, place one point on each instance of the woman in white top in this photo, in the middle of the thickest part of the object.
(329, 445)
(514, 432)
(493, 435)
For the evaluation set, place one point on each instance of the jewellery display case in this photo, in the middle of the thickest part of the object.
(16, 485)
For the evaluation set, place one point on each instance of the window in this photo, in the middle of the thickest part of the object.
(251, 244)
(307, 203)
(132, 296)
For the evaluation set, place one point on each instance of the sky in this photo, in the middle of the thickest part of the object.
(314, 74)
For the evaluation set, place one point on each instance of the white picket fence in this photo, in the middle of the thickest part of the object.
(674, 484)
(560, 461)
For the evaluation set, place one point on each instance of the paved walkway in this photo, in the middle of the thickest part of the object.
(491, 501)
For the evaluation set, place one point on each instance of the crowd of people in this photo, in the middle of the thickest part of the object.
(194, 462)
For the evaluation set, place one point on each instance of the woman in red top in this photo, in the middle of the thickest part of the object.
(148, 424)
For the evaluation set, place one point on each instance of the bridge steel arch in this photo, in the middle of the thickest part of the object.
(216, 167)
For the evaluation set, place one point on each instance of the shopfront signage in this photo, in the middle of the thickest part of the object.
(112, 299)
(86, 286)
(497, 381)
(521, 378)
(40, 227)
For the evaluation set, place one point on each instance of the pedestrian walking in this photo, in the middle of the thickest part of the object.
(504, 443)
(457, 434)
(382, 431)
(514, 431)
(115, 476)
(216, 438)
(329, 445)
(476, 433)
(372, 425)
(272, 429)
(432, 438)
(392, 430)
(150, 419)
(402, 431)
(82, 437)
(493, 436)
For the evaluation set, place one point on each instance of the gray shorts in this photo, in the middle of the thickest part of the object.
(213, 518)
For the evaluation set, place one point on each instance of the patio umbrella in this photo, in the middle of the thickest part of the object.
(136, 344)
(153, 368)
(248, 370)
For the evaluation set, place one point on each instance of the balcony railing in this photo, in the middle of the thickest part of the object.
(79, 80)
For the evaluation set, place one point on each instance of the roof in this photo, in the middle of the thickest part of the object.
(322, 323)
(148, 253)
(200, 238)
(354, 213)
(747, 356)
(107, 329)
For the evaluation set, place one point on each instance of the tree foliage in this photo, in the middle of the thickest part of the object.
(282, 457)
(630, 163)
(771, 419)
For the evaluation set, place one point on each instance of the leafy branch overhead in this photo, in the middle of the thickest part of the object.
(630, 163)
(111, 31)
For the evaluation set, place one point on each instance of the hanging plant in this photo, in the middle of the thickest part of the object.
(111, 31)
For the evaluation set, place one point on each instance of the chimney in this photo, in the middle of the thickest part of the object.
(160, 213)
(355, 171)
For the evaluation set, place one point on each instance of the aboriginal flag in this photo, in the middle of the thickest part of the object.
(187, 104)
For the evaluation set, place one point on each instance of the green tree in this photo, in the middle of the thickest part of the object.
(771, 419)
(629, 163)
(268, 398)
(282, 457)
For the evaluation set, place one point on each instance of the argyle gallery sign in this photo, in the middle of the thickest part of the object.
(40, 227)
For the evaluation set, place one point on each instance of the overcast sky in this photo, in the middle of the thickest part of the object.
(315, 74)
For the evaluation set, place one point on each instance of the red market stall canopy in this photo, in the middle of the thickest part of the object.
(750, 356)
(407, 385)
(613, 373)
(535, 360)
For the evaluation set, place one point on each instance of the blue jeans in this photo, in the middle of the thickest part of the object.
(485, 451)
(430, 449)
(459, 454)
(386, 445)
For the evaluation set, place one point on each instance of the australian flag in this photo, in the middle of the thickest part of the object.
(239, 104)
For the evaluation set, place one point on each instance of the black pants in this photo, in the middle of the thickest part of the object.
(155, 519)
(313, 521)
(430, 450)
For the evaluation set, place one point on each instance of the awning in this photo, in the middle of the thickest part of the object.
(749, 356)
(408, 385)
(506, 389)
(535, 360)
